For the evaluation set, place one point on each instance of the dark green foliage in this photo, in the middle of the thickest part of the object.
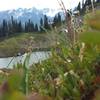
(13, 26)
(57, 20)
(29, 26)
(4, 27)
(79, 7)
(41, 25)
(10, 27)
(46, 24)
(19, 27)
(36, 28)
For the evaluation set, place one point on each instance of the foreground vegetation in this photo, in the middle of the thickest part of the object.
(73, 71)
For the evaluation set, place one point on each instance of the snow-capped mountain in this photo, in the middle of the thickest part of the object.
(25, 14)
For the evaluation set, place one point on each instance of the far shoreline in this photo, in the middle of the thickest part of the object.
(16, 55)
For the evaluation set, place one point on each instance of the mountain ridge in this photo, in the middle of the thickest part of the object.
(24, 14)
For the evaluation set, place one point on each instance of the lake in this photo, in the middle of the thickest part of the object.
(34, 58)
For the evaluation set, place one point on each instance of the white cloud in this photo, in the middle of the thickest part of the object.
(13, 4)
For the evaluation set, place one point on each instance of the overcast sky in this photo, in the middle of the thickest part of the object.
(13, 4)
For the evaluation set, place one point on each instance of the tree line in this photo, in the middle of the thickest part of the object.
(14, 26)
(82, 6)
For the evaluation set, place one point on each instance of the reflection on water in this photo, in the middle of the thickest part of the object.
(34, 58)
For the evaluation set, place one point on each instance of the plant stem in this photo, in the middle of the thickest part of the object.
(26, 80)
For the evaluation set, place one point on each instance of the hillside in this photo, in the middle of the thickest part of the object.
(21, 43)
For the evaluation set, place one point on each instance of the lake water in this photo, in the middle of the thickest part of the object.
(34, 58)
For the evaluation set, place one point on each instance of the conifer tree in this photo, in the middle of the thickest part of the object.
(41, 25)
(26, 27)
(79, 7)
(4, 27)
(59, 19)
(19, 29)
(36, 28)
(55, 20)
(46, 25)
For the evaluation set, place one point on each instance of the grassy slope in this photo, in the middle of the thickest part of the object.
(19, 43)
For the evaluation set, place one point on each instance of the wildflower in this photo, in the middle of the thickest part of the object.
(43, 69)
(33, 82)
(68, 60)
(73, 73)
(58, 43)
(65, 74)
(66, 30)
(58, 81)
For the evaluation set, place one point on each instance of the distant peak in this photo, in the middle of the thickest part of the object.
(24, 14)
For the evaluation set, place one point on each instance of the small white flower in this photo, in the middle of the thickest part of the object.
(68, 60)
(65, 74)
(58, 81)
(58, 43)
(83, 45)
(43, 69)
(71, 72)
(66, 30)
